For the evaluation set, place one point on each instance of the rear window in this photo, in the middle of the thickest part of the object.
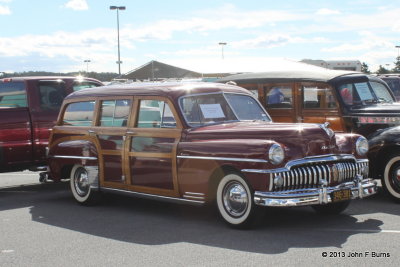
(52, 94)
(79, 85)
(79, 114)
(13, 95)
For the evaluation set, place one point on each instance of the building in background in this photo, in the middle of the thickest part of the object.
(351, 65)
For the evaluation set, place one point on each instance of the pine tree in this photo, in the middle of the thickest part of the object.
(365, 68)
(382, 70)
(396, 68)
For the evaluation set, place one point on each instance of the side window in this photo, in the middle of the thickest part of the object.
(13, 95)
(82, 85)
(279, 97)
(155, 114)
(114, 113)
(51, 94)
(315, 97)
(381, 91)
(79, 114)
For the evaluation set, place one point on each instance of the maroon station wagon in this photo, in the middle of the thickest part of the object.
(29, 107)
(199, 143)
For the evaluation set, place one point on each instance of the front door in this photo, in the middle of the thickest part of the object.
(150, 162)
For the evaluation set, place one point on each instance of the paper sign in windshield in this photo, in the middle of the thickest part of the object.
(363, 91)
(212, 111)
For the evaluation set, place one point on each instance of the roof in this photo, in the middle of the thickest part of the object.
(33, 78)
(315, 74)
(171, 90)
(154, 70)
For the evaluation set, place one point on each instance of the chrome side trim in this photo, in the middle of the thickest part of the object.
(150, 196)
(73, 157)
(225, 159)
(193, 193)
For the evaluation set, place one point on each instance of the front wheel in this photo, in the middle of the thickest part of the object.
(234, 201)
(80, 186)
(331, 208)
(391, 177)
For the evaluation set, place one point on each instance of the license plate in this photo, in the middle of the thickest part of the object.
(341, 195)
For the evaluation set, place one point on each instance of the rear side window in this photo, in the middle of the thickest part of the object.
(79, 114)
(155, 114)
(52, 94)
(114, 113)
(13, 95)
(279, 97)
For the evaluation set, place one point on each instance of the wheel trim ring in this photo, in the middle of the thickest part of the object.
(388, 178)
(81, 186)
(230, 204)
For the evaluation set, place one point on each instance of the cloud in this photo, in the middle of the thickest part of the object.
(4, 10)
(327, 11)
(77, 5)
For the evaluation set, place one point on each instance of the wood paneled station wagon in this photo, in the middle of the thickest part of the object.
(200, 143)
(351, 102)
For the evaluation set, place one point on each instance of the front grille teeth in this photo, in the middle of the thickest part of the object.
(309, 176)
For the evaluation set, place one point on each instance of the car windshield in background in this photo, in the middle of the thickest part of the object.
(200, 110)
(364, 93)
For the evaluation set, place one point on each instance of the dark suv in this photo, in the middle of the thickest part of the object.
(29, 108)
(393, 80)
(351, 102)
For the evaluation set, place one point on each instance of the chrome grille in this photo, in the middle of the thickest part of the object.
(308, 176)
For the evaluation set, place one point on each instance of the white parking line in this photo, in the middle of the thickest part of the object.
(363, 231)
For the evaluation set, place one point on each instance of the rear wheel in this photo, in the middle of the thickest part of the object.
(391, 177)
(80, 186)
(331, 208)
(235, 201)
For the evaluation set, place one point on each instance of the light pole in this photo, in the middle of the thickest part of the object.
(222, 44)
(118, 8)
(87, 64)
(397, 46)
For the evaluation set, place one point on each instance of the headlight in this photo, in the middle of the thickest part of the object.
(362, 146)
(276, 154)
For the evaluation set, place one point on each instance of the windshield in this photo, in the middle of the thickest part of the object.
(200, 110)
(364, 93)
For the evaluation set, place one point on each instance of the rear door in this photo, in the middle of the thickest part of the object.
(15, 125)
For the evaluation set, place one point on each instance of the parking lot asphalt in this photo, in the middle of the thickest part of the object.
(41, 225)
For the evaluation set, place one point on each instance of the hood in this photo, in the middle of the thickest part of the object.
(392, 109)
(298, 140)
(368, 119)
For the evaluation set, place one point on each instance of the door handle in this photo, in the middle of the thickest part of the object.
(91, 133)
(131, 132)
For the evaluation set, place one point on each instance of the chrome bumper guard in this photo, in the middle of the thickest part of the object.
(360, 188)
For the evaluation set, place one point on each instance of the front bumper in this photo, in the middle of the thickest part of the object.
(360, 188)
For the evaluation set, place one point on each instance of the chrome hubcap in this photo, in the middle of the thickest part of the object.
(235, 199)
(81, 182)
(398, 174)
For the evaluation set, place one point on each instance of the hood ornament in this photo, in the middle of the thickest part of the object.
(326, 128)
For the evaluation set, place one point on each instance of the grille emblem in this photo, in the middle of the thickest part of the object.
(335, 173)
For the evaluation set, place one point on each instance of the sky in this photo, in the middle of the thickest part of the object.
(59, 35)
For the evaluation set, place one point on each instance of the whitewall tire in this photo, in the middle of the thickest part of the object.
(391, 177)
(80, 186)
(234, 201)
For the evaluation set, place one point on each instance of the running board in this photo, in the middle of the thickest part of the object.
(154, 197)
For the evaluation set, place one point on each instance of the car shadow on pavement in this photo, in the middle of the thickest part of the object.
(150, 222)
